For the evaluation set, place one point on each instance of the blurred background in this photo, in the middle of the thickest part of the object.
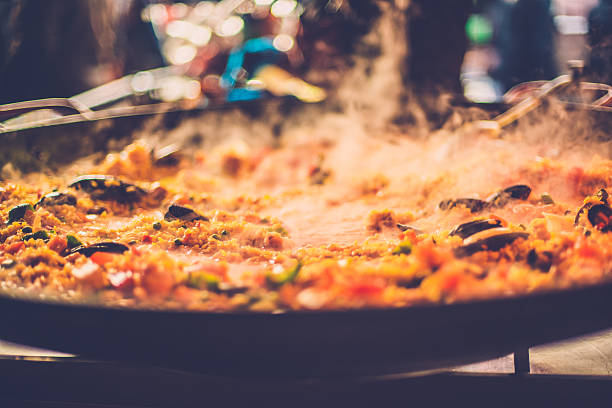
(218, 49)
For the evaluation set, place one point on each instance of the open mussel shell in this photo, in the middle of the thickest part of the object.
(473, 227)
(108, 188)
(177, 212)
(600, 216)
(474, 204)
(230, 290)
(57, 198)
(89, 250)
(602, 196)
(516, 192)
(489, 240)
(541, 260)
(499, 199)
(404, 227)
(167, 156)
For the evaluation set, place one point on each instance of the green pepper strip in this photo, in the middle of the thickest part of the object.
(37, 235)
(73, 241)
(287, 276)
(404, 248)
(18, 212)
(203, 280)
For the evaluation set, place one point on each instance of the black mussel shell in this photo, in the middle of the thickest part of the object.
(412, 283)
(88, 250)
(492, 243)
(403, 227)
(96, 210)
(57, 198)
(108, 188)
(541, 260)
(474, 204)
(230, 290)
(602, 194)
(177, 212)
(470, 228)
(167, 156)
(600, 216)
(516, 192)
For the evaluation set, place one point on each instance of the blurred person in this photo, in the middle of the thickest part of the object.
(600, 40)
(58, 48)
(437, 44)
(526, 43)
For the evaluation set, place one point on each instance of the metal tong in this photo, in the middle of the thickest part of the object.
(107, 98)
(568, 88)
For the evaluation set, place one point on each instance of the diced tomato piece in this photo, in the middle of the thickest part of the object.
(200, 157)
(147, 239)
(158, 281)
(102, 257)
(450, 282)
(366, 288)
(186, 295)
(585, 249)
(57, 244)
(408, 235)
(15, 247)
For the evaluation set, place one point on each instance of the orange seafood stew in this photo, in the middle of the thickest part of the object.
(316, 224)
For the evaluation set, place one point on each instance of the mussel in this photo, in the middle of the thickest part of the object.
(470, 228)
(57, 198)
(474, 204)
(499, 199)
(600, 216)
(412, 283)
(516, 192)
(403, 227)
(89, 250)
(601, 195)
(541, 260)
(229, 290)
(177, 212)
(167, 156)
(108, 188)
(489, 240)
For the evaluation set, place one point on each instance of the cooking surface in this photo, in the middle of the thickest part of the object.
(586, 355)
(66, 383)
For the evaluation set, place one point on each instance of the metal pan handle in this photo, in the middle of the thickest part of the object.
(17, 108)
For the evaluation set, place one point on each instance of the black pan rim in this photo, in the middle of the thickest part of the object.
(13, 296)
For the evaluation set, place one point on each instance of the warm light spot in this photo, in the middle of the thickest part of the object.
(142, 82)
(180, 54)
(283, 42)
(200, 35)
(204, 9)
(179, 10)
(283, 8)
(156, 13)
(171, 89)
(255, 84)
(230, 26)
(178, 29)
(193, 90)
